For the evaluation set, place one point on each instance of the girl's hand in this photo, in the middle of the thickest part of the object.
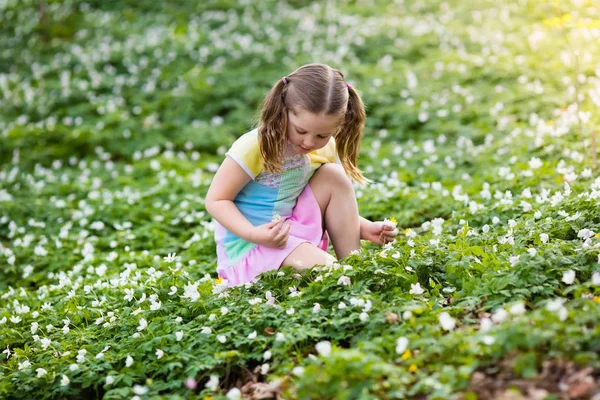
(271, 234)
(379, 233)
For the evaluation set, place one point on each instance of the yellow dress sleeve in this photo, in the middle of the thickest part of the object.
(246, 152)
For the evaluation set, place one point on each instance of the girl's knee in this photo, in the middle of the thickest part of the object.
(333, 174)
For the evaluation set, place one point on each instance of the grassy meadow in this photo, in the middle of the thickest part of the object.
(480, 141)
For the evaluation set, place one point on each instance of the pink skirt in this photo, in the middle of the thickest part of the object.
(305, 226)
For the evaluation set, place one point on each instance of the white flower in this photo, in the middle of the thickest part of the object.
(488, 340)
(64, 381)
(363, 316)
(290, 311)
(179, 335)
(401, 345)
(446, 321)
(206, 330)
(155, 305)
(485, 228)
(143, 324)
(563, 314)
(173, 291)
(585, 234)
(213, 383)
(298, 371)
(159, 353)
(15, 319)
(535, 163)
(316, 308)
(532, 251)
(517, 308)
(264, 369)
(128, 294)
(544, 237)
(344, 280)
(140, 390)
(391, 224)
(416, 289)
(191, 292)
(41, 372)
(294, 292)
(74, 367)
(252, 335)
(129, 361)
(255, 301)
(110, 380)
(485, 324)
(279, 337)
(500, 315)
(267, 355)
(234, 394)
(24, 364)
(170, 257)
(34, 327)
(45, 342)
(323, 348)
(555, 305)
(81, 355)
(568, 277)
(596, 278)
(222, 338)
(513, 259)
(342, 305)
(406, 315)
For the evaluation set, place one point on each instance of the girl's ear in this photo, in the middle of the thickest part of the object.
(272, 130)
(350, 134)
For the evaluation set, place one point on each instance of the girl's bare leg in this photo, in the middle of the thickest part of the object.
(307, 256)
(334, 193)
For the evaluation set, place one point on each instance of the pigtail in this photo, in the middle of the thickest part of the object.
(350, 134)
(272, 131)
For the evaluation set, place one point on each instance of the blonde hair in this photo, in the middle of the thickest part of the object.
(318, 89)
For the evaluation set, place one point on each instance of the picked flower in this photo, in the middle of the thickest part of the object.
(391, 222)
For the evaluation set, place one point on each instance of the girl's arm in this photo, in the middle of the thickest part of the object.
(226, 184)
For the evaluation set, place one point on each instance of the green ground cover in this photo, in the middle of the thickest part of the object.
(479, 139)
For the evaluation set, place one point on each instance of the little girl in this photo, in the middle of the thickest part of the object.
(285, 187)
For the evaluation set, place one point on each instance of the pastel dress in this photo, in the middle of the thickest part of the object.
(267, 195)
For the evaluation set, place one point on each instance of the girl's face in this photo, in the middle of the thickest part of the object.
(308, 132)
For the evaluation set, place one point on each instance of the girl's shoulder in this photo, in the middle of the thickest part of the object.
(246, 152)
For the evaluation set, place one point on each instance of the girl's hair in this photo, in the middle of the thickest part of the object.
(318, 89)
